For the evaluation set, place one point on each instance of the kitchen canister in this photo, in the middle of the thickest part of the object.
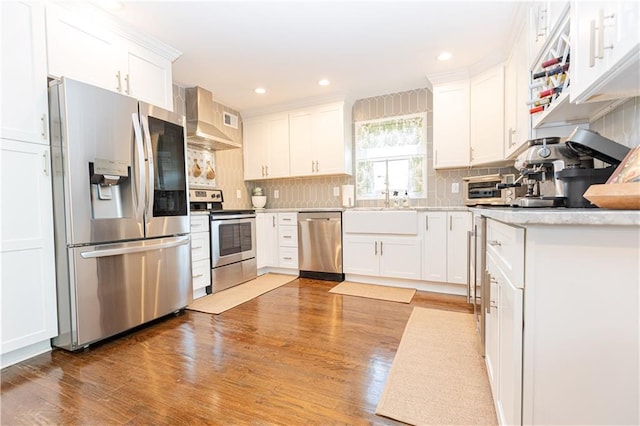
(348, 196)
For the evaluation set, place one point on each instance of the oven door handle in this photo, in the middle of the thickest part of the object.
(232, 217)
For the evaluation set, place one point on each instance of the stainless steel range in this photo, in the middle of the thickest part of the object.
(233, 240)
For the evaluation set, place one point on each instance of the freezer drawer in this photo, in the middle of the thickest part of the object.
(115, 287)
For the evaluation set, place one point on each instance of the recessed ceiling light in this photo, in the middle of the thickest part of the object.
(324, 82)
(110, 4)
(444, 56)
(260, 90)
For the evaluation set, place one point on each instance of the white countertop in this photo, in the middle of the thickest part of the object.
(560, 216)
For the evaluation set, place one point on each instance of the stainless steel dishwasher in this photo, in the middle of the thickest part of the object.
(320, 245)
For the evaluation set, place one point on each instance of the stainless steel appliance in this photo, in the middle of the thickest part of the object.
(483, 190)
(557, 174)
(200, 118)
(120, 211)
(478, 287)
(320, 245)
(233, 240)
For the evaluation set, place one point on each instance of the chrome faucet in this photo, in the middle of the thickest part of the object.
(386, 191)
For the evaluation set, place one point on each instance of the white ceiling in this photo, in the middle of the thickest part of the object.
(365, 48)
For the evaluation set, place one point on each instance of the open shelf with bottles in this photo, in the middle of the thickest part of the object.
(549, 87)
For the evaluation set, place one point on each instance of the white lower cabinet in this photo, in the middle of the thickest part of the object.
(288, 240)
(27, 255)
(382, 256)
(505, 319)
(276, 240)
(445, 245)
(266, 239)
(200, 254)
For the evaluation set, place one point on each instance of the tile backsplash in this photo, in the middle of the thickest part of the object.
(621, 125)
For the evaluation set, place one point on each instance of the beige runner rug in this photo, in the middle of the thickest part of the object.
(438, 376)
(374, 291)
(219, 302)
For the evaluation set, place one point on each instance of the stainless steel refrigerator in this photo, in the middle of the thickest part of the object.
(123, 254)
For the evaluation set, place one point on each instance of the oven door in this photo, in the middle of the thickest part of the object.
(232, 240)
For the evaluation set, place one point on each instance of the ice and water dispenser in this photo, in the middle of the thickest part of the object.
(110, 182)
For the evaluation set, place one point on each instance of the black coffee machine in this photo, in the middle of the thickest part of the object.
(557, 174)
(589, 144)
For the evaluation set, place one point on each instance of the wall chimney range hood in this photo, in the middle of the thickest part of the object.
(200, 128)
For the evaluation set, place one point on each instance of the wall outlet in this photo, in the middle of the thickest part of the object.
(276, 193)
(455, 187)
(336, 191)
(238, 193)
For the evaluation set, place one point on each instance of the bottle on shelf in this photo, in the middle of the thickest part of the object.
(549, 73)
(554, 61)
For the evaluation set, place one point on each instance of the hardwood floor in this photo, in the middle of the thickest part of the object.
(296, 355)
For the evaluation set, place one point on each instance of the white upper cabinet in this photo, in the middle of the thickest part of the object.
(24, 74)
(517, 119)
(266, 146)
(544, 17)
(149, 77)
(487, 116)
(605, 58)
(310, 141)
(84, 49)
(318, 142)
(451, 125)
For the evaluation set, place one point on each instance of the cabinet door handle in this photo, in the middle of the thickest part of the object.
(380, 248)
(600, 41)
(119, 86)
(197, 276)
(286, 236)
(486, 291)
(43, 119)
(273, 219)
(287, 258)
(126, 79)
(592, 43)
(45, 163)
(312, 166)
(494, 243)
(450, 223)
(196, 247)
(426, 222)
(266, 170)
(375, 250)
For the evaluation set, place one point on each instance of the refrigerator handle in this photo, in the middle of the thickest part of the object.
(469, 242)
(137, 249)
(141, 180)
(149, 160)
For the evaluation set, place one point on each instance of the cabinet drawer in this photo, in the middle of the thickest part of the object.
(505, 244)
(288, 218)
(201, 274)
(199, 223)
(200, 246)
(288, 236)
(288, 257)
